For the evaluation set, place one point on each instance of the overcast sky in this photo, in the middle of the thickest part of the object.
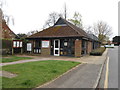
(32, 14)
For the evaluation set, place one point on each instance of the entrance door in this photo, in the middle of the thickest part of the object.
(56, 47)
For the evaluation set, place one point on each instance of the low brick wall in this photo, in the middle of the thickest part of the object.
(78, 48)
(45, 51)
(89, 49)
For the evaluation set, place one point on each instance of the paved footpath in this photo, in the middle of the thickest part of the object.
(85, 75)
(24, 61)
(85, 59)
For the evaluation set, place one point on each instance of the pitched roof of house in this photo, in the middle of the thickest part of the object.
(62, 28)
(5, 27)
(93, 37)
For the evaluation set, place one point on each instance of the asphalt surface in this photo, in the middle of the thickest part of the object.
(102, 79)
(113, 67)
(82, 77)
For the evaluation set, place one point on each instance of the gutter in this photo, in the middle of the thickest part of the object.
(101, 70)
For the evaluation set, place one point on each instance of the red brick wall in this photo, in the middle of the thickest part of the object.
(45, 51)
(89, 49)
(78, 48)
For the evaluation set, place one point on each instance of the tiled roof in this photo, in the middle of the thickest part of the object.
(62, 28)
(93, 37)
(5, 27)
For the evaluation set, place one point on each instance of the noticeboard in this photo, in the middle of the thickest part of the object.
(17, 44)
(29, 47)
(45, 43)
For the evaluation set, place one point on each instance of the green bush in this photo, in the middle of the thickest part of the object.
(6, 47)
(6, 51)
(98, 52)
(6, 44)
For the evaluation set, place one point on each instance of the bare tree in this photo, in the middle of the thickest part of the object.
(102, 30)
(77, 21)
(32, 32)
(53, 17)
(8, 18)
(21, 35)
(89, 30)
(2, 3)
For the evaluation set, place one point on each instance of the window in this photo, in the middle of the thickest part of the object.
(56, 44)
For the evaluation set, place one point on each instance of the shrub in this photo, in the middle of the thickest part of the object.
(6, 47)
(6, 44)
(6, 51)
(98, 52)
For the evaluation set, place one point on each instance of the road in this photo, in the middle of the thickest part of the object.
(109, 77)
(113, 68)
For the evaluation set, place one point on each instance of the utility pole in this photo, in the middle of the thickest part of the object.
(65, 12)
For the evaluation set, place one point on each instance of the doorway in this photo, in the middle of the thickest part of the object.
(56, 47)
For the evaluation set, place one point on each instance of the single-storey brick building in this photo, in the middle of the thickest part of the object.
(62, 39)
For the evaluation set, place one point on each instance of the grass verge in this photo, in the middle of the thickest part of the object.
(33, 74)
(14, 58)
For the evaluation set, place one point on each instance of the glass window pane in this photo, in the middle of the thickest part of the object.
(56, 44)
(56, 51)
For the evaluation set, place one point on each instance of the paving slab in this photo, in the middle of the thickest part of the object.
(7, 74)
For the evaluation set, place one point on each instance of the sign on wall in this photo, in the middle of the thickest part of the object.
(17, 44)
(45, 43)
(65, 43)
(29, 47)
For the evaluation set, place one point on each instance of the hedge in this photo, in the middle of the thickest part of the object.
(98, 52)
(6, 47)
(6, 44)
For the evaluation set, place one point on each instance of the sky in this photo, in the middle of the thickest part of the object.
(32, 14)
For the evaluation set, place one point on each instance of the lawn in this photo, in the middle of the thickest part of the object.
(13, 58)
(33, 74)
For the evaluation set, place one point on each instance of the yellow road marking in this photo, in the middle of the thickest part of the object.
(107, 73)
